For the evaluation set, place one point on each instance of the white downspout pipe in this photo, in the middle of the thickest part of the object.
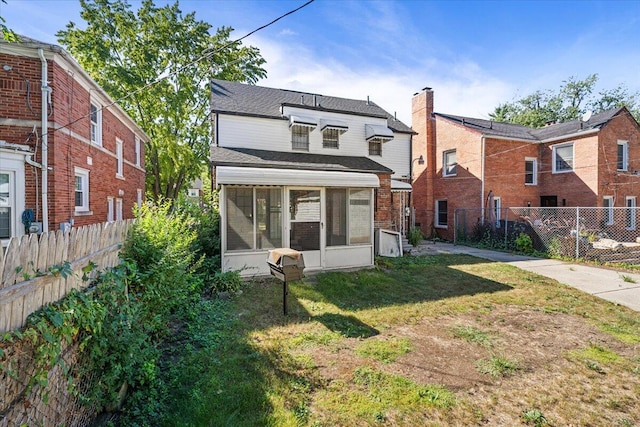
(482, 181)
(45, 130)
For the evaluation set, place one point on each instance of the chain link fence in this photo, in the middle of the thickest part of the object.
(594, 234)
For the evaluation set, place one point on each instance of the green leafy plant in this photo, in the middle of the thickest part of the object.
(498, 366)
(472, 335)
(524, 243)
(415, 236)
(533, 417)
(384, 351)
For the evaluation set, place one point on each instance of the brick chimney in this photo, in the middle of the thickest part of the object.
(423, 144)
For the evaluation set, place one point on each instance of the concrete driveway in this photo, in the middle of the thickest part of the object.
(618, 287)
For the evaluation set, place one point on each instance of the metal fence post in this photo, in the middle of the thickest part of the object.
(506, 227)
(577, 232)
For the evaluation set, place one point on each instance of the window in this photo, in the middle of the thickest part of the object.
(6, 204)
(449, 163)
(562, 158)
(375, 147)
(137, 149)
(530, 171)
(245, 233)
(623, 156)
(81, 190)
(348, 215)
(110, 214)
(330, 138)
(300, 138)
(119, 159)
(194, 192)
(607, 204)
(118, 209)
(95, 114)
(497, 208)
(441, 214)
(631, 212)
(139, 197)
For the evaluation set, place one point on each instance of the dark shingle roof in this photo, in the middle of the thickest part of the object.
(510, 130)
(248, 157)
(245, 99)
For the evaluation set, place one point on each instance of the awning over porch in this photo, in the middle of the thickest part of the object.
(233, 175)
(400, 186)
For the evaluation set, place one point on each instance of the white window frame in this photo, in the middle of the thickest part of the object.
(630, 203)
(139, 197)
(303, 134)
(497, 209)
(625, 155)
(437, 223)
(607, 203)
(84, 176)
(328, 141)
(10, 204)
(119, 158)
(375, 147)
(194, 192)
(119, 210)
(446, 165)
(110, 211)
(554, 159)
(534, 161)
(95, 126)
(137, 148)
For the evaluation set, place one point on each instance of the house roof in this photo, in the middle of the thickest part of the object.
(514, 131)
(248, 157)
(244, 99)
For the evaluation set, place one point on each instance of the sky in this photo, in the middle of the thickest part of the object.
(473, 54)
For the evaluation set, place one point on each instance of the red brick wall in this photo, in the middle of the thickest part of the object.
(383, 209)
(423, 144)
(68, 147)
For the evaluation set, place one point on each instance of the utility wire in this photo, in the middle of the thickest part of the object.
(179, 70)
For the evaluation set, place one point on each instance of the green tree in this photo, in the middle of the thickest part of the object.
(158, 64)
(570, 102)
(7, 33)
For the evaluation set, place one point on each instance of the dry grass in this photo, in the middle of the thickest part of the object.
(401, 345)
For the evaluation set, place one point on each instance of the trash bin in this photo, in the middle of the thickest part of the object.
(286, 264)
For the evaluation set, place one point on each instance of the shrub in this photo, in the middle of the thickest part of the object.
(415, 236)
(524, 243)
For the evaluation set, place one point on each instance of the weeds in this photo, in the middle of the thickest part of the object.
(472, 335)
(384, 351)
(534, 417)
(498, 366)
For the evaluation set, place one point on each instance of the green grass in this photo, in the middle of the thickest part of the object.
(472, 335)
(384, 351)
(334, 360)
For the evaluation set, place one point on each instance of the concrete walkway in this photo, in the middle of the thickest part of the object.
(602, 282)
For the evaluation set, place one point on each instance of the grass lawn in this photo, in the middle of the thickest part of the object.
(417, 341)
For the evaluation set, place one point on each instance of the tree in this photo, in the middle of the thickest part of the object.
(570, 102)
(7, 33)
(157, 64)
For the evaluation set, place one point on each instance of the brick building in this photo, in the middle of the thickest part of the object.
(592, 162)
(314, 173)
(75, 159)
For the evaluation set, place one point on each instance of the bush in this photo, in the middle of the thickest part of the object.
(415, 236)
(524, 243)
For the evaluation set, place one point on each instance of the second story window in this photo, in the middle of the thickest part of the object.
(449, 163)
(375, 147)
(562, 158)
(330, 138)
(119, 159)
(623, 156)
(300, 138)
(95, 115)
(137, 150)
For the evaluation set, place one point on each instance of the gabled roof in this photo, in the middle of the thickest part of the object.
(514, 131)
(287, 160)
(250, 100)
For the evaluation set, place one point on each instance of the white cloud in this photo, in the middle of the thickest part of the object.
(460, 88)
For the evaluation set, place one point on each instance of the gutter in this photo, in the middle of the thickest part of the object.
(45, 90)
(482, 179)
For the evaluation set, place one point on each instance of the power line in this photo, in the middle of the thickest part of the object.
(179, 70)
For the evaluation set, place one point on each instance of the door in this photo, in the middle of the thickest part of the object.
(305, 225)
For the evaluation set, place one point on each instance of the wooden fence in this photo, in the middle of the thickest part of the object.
(26, 282)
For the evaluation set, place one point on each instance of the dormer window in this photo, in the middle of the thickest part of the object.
(375, 147)
(376, 135)
(300, 128)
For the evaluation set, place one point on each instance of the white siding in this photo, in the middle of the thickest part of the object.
(274, 134)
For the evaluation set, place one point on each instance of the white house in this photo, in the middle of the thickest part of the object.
(310, 172)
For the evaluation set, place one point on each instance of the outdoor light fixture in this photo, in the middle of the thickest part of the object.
(6, 67)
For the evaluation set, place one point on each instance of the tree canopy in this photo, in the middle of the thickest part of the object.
(157, 64)
(570, 102)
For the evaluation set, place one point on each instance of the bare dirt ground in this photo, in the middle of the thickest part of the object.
(550, 377)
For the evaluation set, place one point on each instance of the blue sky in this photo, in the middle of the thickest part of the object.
(474, 54)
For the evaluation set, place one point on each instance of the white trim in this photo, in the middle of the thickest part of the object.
(437, 214)
(631, 212)
(13, 164)
(304, 121)
(137, 147)
(400, 186)
(119, 158)
(444, 163)
(535, 170)
(554, 148)
(139, 197)
(625, 155)
(380, 132)
(110, 210)
(286, 177)
(334, 124)
(118, 209)
(608, 209)
(97, 139)
(84, 175)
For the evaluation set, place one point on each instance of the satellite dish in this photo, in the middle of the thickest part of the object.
(587, 115)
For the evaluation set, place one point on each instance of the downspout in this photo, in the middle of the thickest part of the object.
(45, 130)
(482, 181)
